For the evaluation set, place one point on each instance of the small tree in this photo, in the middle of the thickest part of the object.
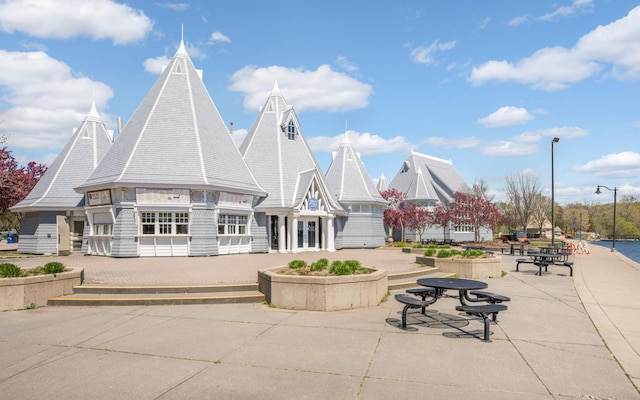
(442, 216)
(417, 217)
(476, 211)
(393, 216)
(15, 184)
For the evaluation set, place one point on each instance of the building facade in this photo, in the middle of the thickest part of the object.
(173, 183)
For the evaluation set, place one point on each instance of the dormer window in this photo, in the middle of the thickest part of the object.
(291, 130)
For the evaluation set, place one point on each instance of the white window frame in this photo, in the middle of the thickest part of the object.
(164, 223)
(233, 225)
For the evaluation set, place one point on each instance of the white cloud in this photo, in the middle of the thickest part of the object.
(485, 22)
(510, 148)
(577, 7)
(365, 143)
(45, 99)
(98, 19)
(344, 64)
(620, 165)
(555, 68)
(453, 143)
(156, 65)
(506, 116)
(564, 132)
(426, 55)
(519, 20)
(174, 6)
(319, 90)
(238, 136)
(219, 37)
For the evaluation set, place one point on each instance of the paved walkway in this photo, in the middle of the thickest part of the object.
(561, 338)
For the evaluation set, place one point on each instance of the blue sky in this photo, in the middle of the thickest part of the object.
(485, 84)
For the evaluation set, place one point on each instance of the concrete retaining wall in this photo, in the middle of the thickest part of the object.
(322, 293)
(20, 293)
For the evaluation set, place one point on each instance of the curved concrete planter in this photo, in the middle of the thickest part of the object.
(472, 268)
(322, 293)
(20, 293)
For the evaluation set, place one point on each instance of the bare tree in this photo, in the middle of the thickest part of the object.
(481, 189)
(522, 190)
(541, 210)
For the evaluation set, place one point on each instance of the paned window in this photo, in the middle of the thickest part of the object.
(291, 130)
(103, 229)
(164, 223)
(232, 224)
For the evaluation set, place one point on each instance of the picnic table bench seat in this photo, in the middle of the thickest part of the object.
(410, 302)
(423, 292)
(484, 311)
(492, 298)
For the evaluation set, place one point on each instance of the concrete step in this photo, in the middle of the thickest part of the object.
(104, 289)
(147, 299)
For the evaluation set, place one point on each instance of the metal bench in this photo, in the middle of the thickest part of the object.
(489, 297)
(423, 293)
(484, 311)
(409, 302)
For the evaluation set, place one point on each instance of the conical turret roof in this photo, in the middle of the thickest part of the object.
(80, 156)
(175, 138)
(279, 157)
(348, 178)
(425, 178)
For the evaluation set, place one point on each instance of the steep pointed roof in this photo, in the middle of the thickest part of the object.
(77, 160)
(425, 178)
(175, 138)
(382, 184)
(348, 178)
(278, 155)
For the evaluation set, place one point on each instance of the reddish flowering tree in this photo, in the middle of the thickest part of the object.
(394, 215)
(476, 211)
(442, 216)
(417, 217)
(15, 184)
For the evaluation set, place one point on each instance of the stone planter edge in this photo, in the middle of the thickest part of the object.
(322, 293)
(20, 293)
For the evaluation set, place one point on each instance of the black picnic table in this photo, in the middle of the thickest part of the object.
(461, 285)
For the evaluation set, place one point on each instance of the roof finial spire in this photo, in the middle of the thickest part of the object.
(275, 89)
(346, 133)
(182, 49)
(93, 113)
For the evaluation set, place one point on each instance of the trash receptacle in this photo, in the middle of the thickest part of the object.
(11, 238)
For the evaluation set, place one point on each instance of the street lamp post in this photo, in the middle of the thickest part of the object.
(553, 208)
(615, 194)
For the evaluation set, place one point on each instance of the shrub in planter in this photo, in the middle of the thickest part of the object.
(11, 271)
(319, 265)
(297, 264)
(53, 267)
(339, 268)
(430, 252)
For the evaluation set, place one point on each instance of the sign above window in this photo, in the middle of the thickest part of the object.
(99, 198)
(162, 196)
(313, 204)
(235, 200)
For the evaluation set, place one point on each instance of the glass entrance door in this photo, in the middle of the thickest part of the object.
(311, 234)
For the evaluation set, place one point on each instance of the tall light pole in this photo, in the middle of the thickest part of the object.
(615, 194)
(553, 200)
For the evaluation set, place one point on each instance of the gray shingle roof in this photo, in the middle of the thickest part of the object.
(80, 156)
(278, 162)
(175, 138)
(348, 178)
(382, 184)
(425, 178)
